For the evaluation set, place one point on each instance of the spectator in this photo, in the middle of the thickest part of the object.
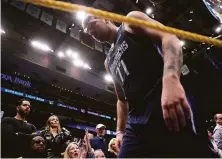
(99, 154)
(72, 151)
(213, 146)
(218, 131)
(87, 151)
(99, 142)
(37, 148)
(16, 130)
(90, 136)
(113, 149)
(56, 138)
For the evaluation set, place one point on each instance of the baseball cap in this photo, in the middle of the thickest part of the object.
(99, 126)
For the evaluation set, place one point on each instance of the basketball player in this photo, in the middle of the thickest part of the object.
(153, 113)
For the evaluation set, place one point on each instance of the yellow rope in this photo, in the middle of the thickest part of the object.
(119, 18)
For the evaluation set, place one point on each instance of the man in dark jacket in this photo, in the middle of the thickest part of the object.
(99, 142)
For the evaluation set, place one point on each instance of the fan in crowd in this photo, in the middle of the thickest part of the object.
(218, 130)
(37, 148)
(99, 154)
(113, 149)
(56, 137)
(15, 131)
(72, 151)
(99, 142)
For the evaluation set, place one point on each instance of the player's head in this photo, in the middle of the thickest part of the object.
(100, 29)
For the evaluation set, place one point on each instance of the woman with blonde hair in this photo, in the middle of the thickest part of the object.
(112, 149)
(72, 151)
(56, 137)
(81, 150)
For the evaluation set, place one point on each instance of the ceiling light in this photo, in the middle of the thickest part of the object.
(2, 31)
(75, 55)
(218, 29)
(78, 63)
(190, 20)
(40, 45)
(61, 54)
(86, 66)
(81, 15)
(182, 43)
(108, 78)
(191, 12)
(149, 11)
(72, 54)
(69, 52)
(208, 48)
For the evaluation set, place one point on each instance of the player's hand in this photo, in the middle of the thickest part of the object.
(119, 138)
(176, 110)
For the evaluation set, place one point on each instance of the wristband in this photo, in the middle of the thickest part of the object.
(120, 132)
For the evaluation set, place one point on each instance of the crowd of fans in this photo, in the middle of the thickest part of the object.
(20, 139)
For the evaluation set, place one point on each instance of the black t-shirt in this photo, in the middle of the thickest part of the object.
(15, 137)
(136, 64)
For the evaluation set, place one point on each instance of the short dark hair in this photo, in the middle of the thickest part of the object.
(21, 100)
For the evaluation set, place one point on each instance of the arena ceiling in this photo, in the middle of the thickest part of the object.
(61, 31)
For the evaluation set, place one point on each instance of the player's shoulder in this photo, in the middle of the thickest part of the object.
(136, 14)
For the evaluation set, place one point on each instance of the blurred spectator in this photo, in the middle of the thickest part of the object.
(213, 146)
(113, 150)
(37, 148)
(72, 151)
(99, 142)
(56, 138)
(87, 150)
(218, 131)
(90, 136)
(16, 130)
(99, 154)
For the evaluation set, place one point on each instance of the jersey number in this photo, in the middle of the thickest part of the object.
(121, 70)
